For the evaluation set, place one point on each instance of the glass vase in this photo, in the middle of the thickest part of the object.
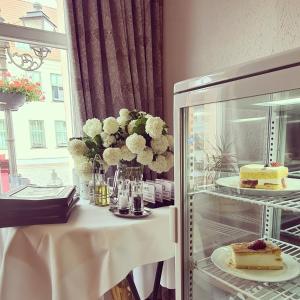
(129, 172)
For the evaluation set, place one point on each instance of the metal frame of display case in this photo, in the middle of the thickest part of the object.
(265, 76)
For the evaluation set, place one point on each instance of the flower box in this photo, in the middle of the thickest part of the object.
(11, 101)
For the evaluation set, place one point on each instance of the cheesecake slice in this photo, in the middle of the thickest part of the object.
(257, 176)
(257, 255)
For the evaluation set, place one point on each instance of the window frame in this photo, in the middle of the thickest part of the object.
(60, 87)
(3, 132)
(38, 37)
(43, 146)
(60, 145)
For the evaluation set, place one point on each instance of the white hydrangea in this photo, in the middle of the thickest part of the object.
(92, 127)
(107, 139)
(124, 112)
(160, 145)
(145, 157)
(170, 160)
(154, 127)
(122, 121)
(131, 126)
(110, 125)
(170, 141)
(148, 116)
(126, 154)
(112, 156)
(77, 147)
(159, 165)
(136, 143)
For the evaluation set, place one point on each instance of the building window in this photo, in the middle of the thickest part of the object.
(35, 76)
(61, 133)
(3, 135)
(57, 88)
(37, 134)
(22, 46)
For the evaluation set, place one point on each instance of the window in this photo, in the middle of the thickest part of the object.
(22, 46)
(61, 133)
(34, 75)
(37, 134)
(39, 148)
(57, 89)
(3, 135)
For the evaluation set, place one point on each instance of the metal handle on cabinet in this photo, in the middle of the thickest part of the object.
(173, 223)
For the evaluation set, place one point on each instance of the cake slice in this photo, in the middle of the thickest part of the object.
(263, 177)
(257, 255)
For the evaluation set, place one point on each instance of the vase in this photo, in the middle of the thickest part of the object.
(132, 173)
(11, 101)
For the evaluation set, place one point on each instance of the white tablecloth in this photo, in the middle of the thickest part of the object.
(81, 259)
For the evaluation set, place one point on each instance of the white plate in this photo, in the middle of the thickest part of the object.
(233, 184)
(291, 268)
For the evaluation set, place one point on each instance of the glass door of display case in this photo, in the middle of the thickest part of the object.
(218, 129)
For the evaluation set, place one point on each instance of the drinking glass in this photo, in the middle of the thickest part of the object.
(112, 192)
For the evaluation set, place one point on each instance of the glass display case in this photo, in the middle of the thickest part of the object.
(249, 114)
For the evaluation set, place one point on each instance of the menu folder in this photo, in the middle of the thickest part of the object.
(31, 205)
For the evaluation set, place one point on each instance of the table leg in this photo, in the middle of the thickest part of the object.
(132, 286)
(157, 279)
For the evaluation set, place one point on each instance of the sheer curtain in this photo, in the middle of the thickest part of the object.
(117, 55)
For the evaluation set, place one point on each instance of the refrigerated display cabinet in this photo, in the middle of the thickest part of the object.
(247, 114)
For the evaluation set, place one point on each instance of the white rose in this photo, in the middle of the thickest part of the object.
(148, 116)
(107, 139)
(92, 127)
(136, 143)
(77, 147)
(170, 141)
(126, 154)
(160, 145)
(124, 112)
(110, 125)
(159, 165)
(131, 126)
(145, 157)
(154, 127)
(122, 121)
(170, 160)
(112, 156)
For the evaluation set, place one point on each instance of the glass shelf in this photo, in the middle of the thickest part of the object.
(256, 290)
(294, 231)
(289, 202)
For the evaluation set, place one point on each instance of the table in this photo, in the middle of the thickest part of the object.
(81, 259)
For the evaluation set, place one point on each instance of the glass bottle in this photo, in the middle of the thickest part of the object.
(137, 204)
(101, 195)
(123, 197)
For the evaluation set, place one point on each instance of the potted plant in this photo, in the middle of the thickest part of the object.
(14, 92)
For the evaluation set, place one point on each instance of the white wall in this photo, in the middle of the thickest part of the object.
(201, 36)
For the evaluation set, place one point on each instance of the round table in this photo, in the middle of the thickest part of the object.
(81, 259)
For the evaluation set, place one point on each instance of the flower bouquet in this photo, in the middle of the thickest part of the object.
(134, 139)
(21, 86)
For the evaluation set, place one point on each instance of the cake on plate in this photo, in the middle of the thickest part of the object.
(257, 255)
(257, 176)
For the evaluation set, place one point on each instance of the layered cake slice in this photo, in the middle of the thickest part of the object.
(263, 177)
(257, 255)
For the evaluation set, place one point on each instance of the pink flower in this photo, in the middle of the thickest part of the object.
(6, 74)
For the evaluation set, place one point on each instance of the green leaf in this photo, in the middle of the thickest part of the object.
(140, 125)
(98, 139)
(90, 144)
